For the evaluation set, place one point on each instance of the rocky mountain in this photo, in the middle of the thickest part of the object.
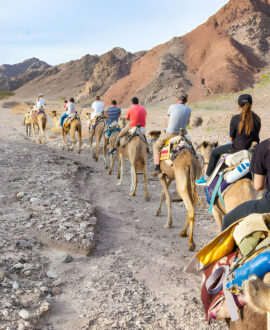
(223, 55)
(16, 75)
(88, 76)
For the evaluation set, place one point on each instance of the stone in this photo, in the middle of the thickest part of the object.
(35, 200)
(44, 308)
(56, 291)
(67, 259)
(5, 312)
(2, 274)
(15, 285)
(44, 288)
(18, 266)
(20, 194)
(24, 314)
(51, 274)
(69, 236)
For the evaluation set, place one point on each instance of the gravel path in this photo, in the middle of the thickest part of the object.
(133, 279)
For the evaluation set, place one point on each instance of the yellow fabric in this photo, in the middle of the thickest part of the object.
(219, 247)
(167, 147)
(27, 118)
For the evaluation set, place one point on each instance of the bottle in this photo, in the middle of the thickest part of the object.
(239, 172)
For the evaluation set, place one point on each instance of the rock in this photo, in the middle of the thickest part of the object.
(44, 288)
(2, 274)
(18, 266)
(51, 274)
(5, 312)
(35, 200)
(15, 285)
(67, 259)
(69, 236)
(56, 291)
(44, 308)
(20, 194)
(24, 314)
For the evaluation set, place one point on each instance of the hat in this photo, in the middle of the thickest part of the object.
(243, 99)
(40, 94)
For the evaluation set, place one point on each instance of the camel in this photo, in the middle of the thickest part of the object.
(136, 152)
(39, 122)
(111, 143)
(97, 133)
(74, 126)
(185, 169)
(241, 191)
(256, 314)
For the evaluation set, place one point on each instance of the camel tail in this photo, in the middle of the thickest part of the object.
(193, 188)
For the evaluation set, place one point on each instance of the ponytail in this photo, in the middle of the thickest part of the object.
(246, 119)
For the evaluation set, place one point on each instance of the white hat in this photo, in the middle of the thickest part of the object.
(40, 94)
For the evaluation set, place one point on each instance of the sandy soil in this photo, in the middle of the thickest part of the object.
(135, 277)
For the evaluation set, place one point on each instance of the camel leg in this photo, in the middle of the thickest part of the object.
(34, 132)
(111, 163)
(64, 134)
(98, 148)
(41, 136)
(132, 179)
(183, 191)
(162, 198)
(121, 166)
(147, 198)
(163, 181)
(80, 139)
(135, 179)
(105, 143)
(72, 133)
(91, 138)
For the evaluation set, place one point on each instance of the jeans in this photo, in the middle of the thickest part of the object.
(65, 115)
(215, 154)
(249, 207)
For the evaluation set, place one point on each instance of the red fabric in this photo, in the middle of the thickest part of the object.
(206, 297)
(136, 114)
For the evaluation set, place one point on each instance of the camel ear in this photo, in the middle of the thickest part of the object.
(54, 112)
(215, 144)
(205, 144)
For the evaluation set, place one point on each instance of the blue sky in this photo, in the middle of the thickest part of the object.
(57, 31)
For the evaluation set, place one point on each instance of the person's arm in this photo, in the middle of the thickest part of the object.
(259, 181)
(106, 115)
(233, 130)
(128, 115)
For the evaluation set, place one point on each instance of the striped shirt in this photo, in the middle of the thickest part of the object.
(113, 113)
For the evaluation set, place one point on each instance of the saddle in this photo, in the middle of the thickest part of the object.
(70, 118)
(35, 113)
(112, 128)
(174, 146)
(135, 131)
(229, 169)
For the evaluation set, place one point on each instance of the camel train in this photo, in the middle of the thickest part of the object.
(184, 168)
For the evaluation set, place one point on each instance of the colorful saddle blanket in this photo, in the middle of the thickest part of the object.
(112, 128)
(39, 112)
(135, 131)
(174, 146)
(69, 119)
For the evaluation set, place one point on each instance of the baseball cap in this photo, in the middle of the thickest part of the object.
(244, 98)
(40, 94)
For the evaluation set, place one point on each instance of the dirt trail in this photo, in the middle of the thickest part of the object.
(135, 277)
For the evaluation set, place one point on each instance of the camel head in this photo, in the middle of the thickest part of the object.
(53, 114)
(122, 122)
(205, 149)
(154, 135)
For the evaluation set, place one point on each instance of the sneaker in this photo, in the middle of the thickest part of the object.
(201, 181)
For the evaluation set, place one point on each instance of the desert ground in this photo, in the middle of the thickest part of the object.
(57, 205)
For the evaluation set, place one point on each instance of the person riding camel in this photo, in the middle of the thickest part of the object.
(112, 113)
(136, 114)
(244, 129)
(70, 110)
(39, 105)
(260, 167)
(179, 115)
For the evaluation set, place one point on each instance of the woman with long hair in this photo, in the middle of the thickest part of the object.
(244, 129)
